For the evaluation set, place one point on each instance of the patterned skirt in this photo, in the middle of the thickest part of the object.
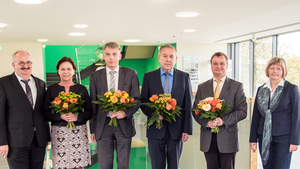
(70, 148)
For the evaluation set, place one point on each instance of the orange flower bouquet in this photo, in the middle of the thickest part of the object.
(65, 103)
(210, 109)
(115, 101)
(163, 105)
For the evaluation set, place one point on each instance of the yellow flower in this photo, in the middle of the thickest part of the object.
(114, 99)
(108, 101)
(200, 106)
(126, 95)
(204, 103)
(219, 106)
(159, 105)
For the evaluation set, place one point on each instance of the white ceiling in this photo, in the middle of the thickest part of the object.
(152, 21)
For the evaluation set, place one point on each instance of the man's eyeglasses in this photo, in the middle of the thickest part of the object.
(29, 63)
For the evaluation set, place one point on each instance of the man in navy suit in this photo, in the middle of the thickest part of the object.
(171, 136)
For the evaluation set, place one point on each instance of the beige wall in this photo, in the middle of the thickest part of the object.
(35, 51)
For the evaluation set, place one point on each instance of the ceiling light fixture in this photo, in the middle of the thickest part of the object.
(187, 14)
(76, 34)
(132, 40)
(2, 25)
(29, 1)
(42, 40)
(189, 30)
(80, 26)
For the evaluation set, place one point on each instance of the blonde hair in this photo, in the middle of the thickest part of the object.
(112, 45)
(281, 62)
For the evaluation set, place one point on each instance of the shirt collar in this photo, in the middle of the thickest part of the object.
(222, 79)
(268, 84)
(19, 78)
(162, 72)
(116, 69)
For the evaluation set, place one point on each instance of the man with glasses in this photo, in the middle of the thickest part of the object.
(220, 148)
(24, 132)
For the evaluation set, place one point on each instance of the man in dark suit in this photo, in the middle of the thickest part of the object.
(220, 149)
(167, 79)
(111, 78)
(24, 132)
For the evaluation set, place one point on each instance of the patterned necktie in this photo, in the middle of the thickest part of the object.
(28, 91)
(112, 84)
(166, 83)
(217, 90)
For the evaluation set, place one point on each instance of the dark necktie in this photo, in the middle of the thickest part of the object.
(166, 83)
(28, 91)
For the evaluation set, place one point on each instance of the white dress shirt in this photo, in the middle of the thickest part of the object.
(32, 86)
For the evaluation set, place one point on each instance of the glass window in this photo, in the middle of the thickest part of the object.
(262, 54)
(288, 48)
(244, 65)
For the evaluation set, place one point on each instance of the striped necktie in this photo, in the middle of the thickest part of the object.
(217, 90)
(112, 84)
(28, 91)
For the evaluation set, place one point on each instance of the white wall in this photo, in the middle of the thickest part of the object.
(35, 51)
(202, 50)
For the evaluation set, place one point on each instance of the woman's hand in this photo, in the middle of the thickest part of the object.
(293, 148)
(72, 117)
(253, 147)
(65, 117)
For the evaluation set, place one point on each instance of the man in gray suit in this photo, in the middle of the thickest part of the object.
(220, 148)
(113, 77)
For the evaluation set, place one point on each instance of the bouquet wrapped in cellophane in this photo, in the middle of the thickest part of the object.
(65, 103)
(115, 101)
(163, 105)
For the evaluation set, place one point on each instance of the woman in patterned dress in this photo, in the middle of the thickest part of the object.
(70, 147)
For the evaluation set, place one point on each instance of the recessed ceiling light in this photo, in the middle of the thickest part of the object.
(80, 26)
(187, 14)
(76, 34)
(2, 25)
(132, 40)
(42, 40)
(189, 30)
(29, 1)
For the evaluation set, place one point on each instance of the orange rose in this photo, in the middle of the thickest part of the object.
(209, 101)
(65, 94)
(65, 106)
(73, 100)
(114, 99)
(169, 107)
(197, 112)
(127, 101)
(215, 102)
(172, 101)
(123, 92)
(118, 94)
(57, 101)
(132, 100)
(153, 97)
(122, 100)
(213, 109)
(67, 99)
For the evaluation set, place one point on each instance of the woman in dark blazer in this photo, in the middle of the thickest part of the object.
(276, 119)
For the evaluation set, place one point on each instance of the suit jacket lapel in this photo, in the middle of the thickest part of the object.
(225, 87)
(17, 85)
(175, 78)
(210, 88)
(160, 87)
(103, 80)
(121, 78)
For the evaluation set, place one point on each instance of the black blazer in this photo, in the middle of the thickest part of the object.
(18, 118)
(285, 118)
(181, 91)
(128, 81)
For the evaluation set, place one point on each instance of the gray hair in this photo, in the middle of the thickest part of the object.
(18, 51)
(167, 46)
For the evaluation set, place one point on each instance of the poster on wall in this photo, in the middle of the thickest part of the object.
(191, 65)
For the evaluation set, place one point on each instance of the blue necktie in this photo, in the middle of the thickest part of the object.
(166, 83)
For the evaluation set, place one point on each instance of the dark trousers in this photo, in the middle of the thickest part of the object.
(279, 155)
(31, 157)
(164, 148)
(217, 160)
(110, 137)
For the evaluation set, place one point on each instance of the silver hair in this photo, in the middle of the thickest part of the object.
(167, 46)
(18, 51)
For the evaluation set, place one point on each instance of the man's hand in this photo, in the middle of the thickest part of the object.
(219, 121)
(212, 124)
(119, 114)
(293, 148)
(4, 150)
(253, 147)
(93, 138)
(185, 137)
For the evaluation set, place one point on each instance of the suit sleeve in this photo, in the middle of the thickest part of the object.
(3, 137)
(295, 133)
(145, 97)
(48, 113)
(240, 109)
(93, 98)
(255, 122)
(135, 93)
(188, 97)
(202, 122)
(87, 106)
